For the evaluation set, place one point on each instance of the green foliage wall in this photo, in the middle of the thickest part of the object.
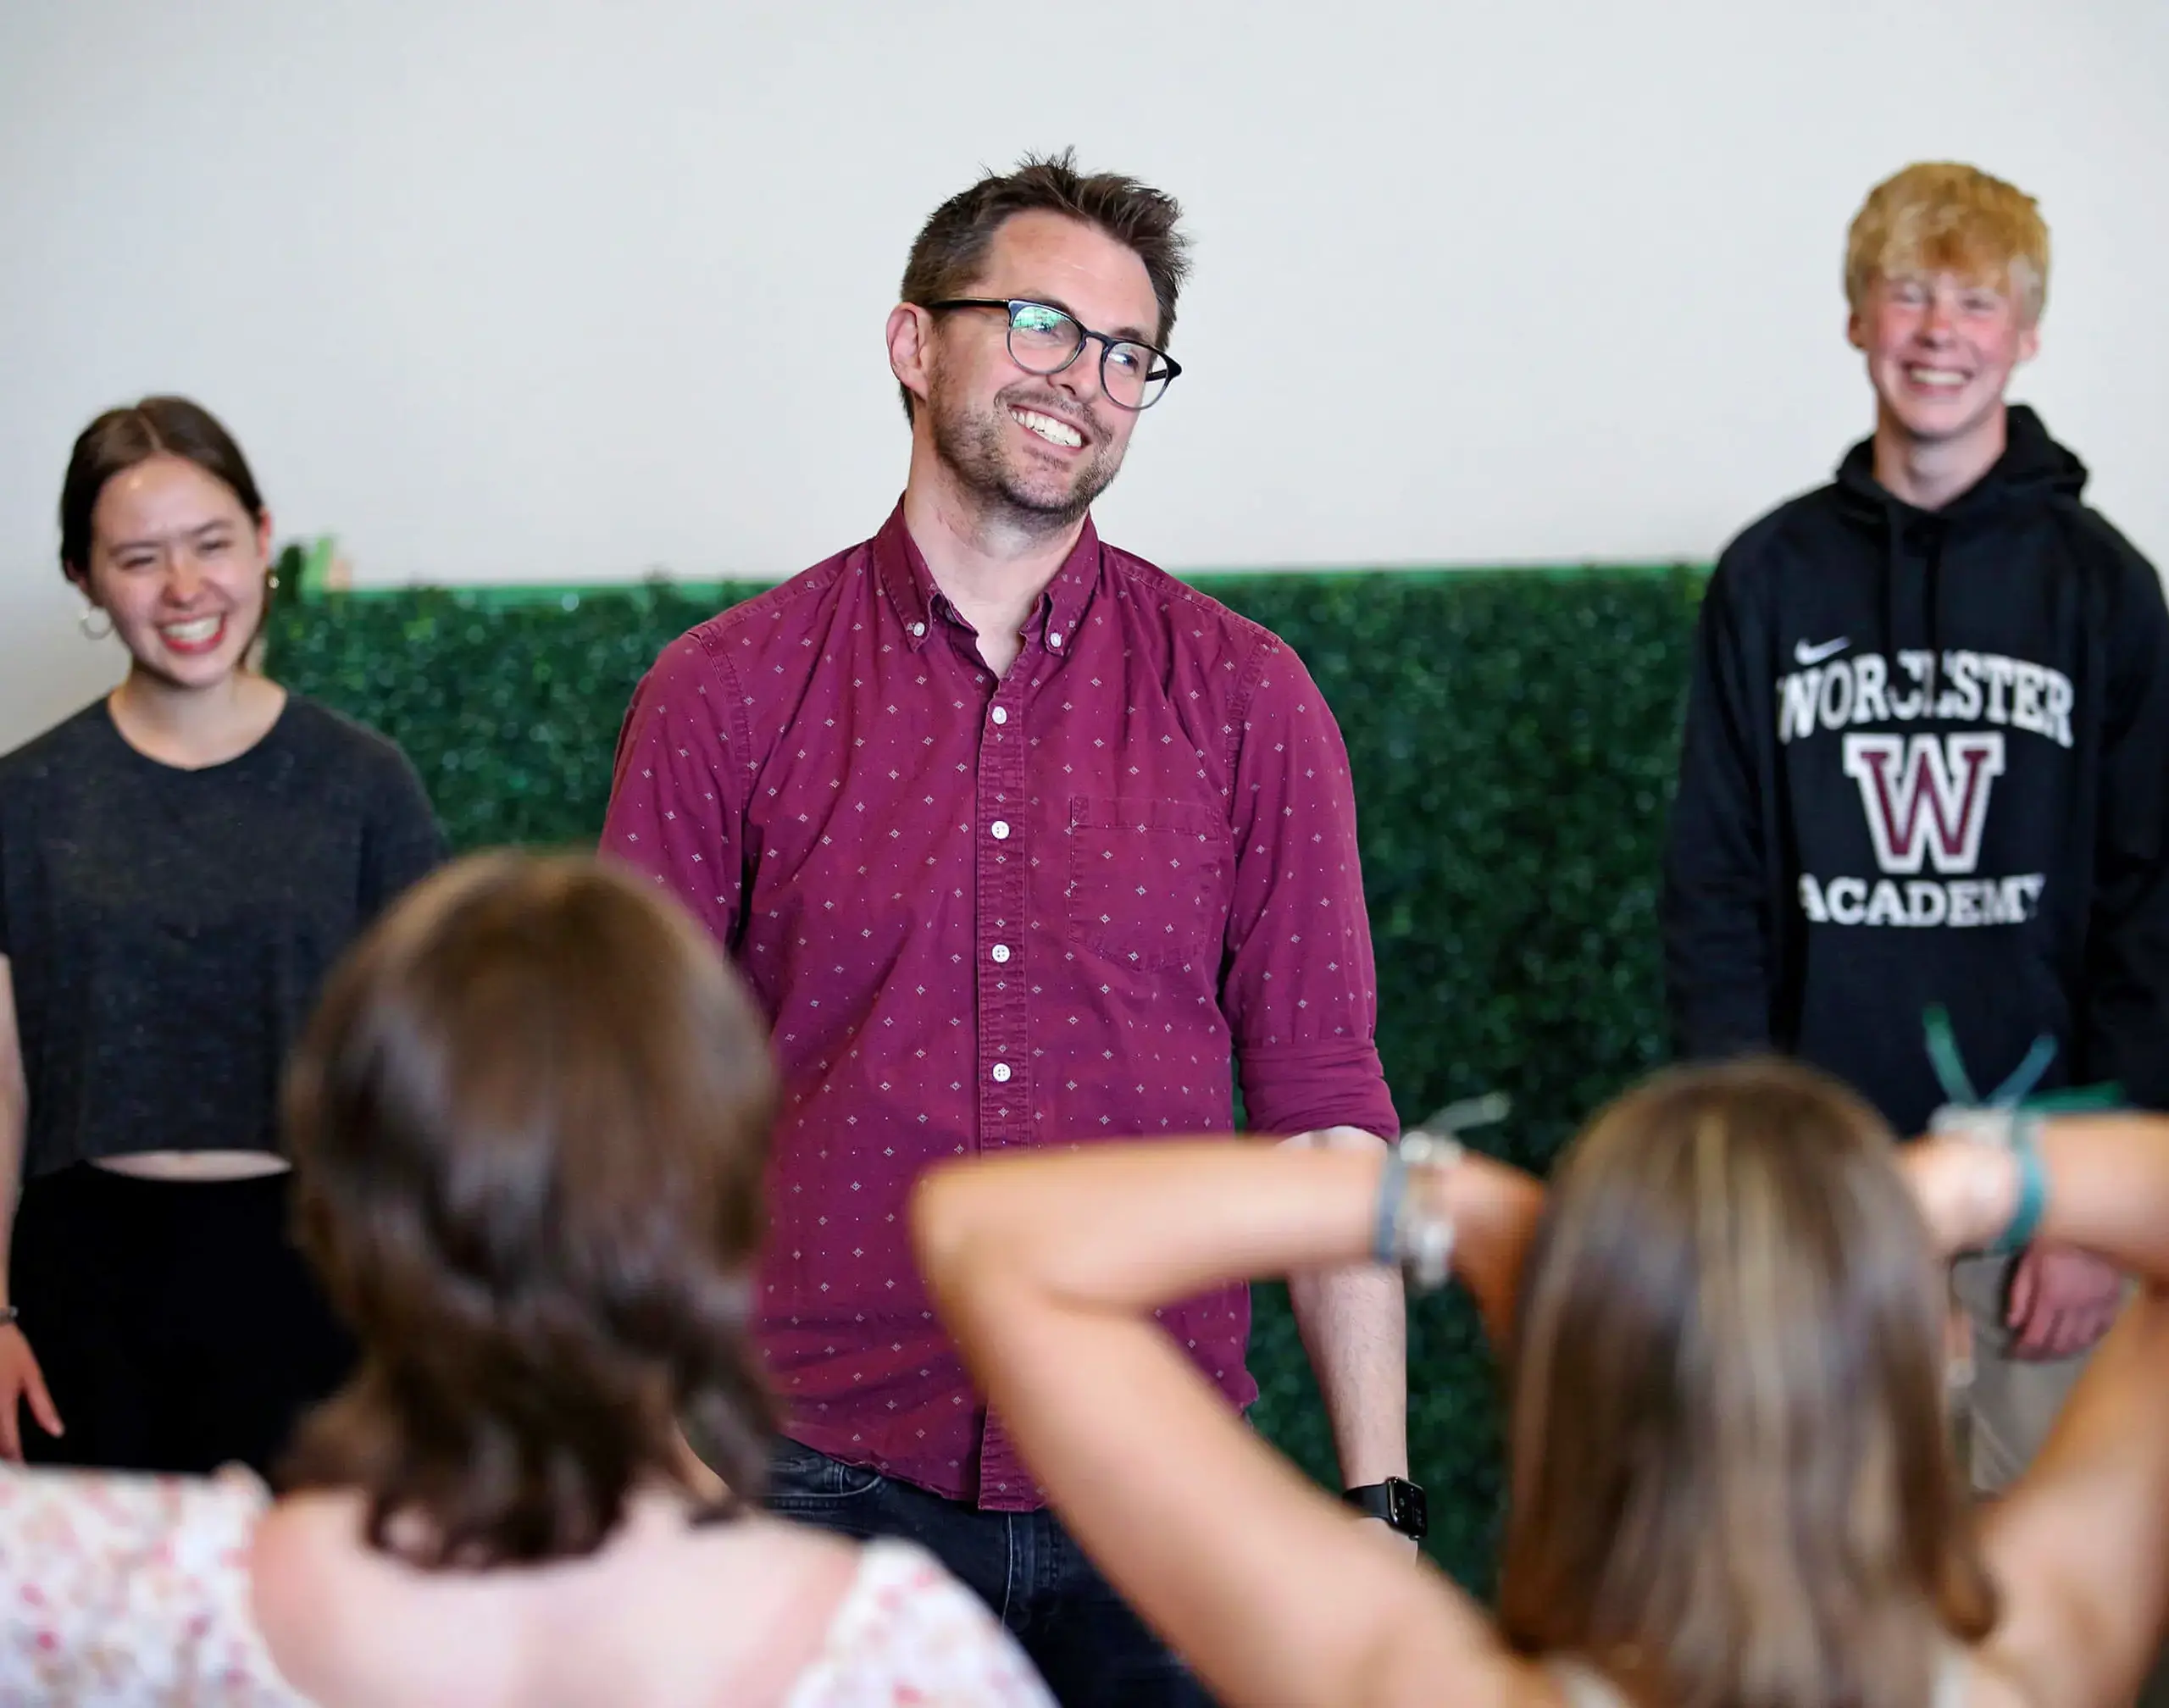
(1513, 735)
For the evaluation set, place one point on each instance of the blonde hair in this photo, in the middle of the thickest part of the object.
(1731, 1476)
(1941, 217)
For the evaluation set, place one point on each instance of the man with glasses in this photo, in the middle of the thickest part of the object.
(1020, 842)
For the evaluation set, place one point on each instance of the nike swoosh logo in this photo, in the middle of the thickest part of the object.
(1814, 655)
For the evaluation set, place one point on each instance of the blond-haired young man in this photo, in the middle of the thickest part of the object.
(1926, 756)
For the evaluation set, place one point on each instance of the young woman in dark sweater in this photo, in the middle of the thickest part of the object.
(179, 863)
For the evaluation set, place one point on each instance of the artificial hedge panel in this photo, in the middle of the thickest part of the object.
(1512, 737)
(510, 713)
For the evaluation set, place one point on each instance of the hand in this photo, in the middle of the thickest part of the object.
(2061, 1302)
(1404, 1546)
(21, 1382)
(1967, 1190)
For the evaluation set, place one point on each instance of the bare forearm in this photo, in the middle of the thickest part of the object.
(1355, 1328)
(1044, 1267)
(2127, 1377)
(2077, 1544)
(1131, 1227)
(1354, 1325)
(1354, 1320)
(2108, 1189)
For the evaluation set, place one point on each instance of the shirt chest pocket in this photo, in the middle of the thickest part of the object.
(1148, 881)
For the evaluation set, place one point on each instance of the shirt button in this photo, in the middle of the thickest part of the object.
(1000, 828)
(1001, 1073)
(1000, 951)
(1002, 714)
(1054, 637)
(919, 628)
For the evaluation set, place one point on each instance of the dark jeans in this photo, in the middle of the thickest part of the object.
(1091, 1650)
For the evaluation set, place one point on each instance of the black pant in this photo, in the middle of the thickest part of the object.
(1091, 1649)
(177, 1327)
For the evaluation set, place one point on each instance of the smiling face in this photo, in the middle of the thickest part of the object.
(180, 565)
(1040, 447)
(1940, 352)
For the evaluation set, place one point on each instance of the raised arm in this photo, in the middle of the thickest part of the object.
(1046, 1269)
(2080, 1546)
(2107, 1180)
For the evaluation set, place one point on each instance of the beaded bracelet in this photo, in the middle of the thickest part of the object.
(1405, 1236)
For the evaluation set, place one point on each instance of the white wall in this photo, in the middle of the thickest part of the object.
(550, 290)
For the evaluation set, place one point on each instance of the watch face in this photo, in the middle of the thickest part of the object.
(1410, 1514)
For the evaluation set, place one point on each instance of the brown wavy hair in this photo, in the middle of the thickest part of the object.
(528, 1124)
(1732, 1477)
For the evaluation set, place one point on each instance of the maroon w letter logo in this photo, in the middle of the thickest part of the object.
(1926, 794)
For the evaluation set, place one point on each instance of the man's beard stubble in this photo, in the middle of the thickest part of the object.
(970, 445)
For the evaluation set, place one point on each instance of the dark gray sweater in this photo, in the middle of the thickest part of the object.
(166, 930)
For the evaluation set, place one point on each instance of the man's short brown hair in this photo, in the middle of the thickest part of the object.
(950, 248)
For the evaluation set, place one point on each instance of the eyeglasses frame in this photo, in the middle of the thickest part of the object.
(1010, 305)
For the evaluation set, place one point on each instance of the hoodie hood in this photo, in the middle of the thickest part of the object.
(2033, 466)
(2034, 469)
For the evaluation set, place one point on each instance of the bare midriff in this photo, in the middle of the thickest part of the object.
(195, 1165)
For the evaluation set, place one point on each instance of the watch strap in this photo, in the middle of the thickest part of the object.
(1396, 1503)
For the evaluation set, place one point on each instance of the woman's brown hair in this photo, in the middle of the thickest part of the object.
(1732, 1478)
(529, 1121)
(120, 439)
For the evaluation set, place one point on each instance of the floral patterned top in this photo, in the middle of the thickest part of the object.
(120, 1589)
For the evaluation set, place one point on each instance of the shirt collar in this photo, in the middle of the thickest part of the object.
(909, 585)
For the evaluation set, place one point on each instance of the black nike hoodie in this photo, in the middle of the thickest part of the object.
(1926, 760)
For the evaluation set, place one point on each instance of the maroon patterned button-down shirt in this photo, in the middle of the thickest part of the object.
(987, 913)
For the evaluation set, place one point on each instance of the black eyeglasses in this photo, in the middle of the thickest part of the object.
(1044, 339)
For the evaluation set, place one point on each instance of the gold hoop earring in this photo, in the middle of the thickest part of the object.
(89, 622)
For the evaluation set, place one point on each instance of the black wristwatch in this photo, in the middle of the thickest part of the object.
(1396, 1501)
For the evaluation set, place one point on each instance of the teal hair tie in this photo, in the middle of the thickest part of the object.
(1958, 1084)
(2032, 1190)
(2018, 1118)
(2014, 1092)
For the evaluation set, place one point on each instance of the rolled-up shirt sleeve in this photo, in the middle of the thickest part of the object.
(1300, 988)
(676, 806)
